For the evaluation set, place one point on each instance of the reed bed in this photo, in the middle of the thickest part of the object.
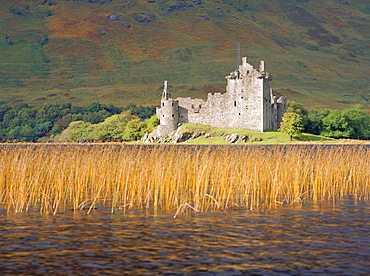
(54, 179)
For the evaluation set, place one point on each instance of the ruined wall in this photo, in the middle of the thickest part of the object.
(281, 109)
(247, 104)
(191, 110)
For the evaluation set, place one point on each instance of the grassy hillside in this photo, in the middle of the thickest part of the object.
(121, 51)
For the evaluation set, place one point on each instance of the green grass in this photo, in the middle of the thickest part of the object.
(269, 137)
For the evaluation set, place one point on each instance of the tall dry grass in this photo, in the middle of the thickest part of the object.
(52, 179)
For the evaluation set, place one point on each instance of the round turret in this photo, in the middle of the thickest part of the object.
(168, 113)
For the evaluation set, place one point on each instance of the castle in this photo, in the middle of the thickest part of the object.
(247, 104)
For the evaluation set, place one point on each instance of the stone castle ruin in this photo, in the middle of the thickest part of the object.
(247, 104)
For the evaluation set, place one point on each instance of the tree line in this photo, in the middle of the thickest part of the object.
(352, 122)
(99, 122)
(118, 127)
(31, 123)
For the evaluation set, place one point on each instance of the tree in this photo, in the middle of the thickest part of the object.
(2, 135)
(27, 133)
(96, 117)
(4, 108)
(14, 133)
(352, 122)
(291, 124)
(42, 129)
(100, 132)
(94, 107)
(151, 123)
(114, 128)
(69, 118)
(358, 120)
(314, 123)
(143, 112)
(294, 107)
(78, 130)
(134, 129)
(336, 126)
(56, 130)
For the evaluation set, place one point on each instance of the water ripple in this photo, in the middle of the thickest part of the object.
(299, 241)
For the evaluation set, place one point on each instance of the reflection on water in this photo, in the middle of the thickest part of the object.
(305, 241)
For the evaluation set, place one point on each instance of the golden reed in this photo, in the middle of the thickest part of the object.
(52, 179)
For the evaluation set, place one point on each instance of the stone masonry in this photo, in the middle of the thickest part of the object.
(247, 104)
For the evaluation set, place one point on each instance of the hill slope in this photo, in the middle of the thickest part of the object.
(121, 51)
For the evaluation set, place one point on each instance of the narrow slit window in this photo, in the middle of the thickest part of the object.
(234, 103)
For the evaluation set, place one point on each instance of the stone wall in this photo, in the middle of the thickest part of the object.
(247, 104)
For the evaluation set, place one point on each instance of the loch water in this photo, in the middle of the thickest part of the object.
(313, 239)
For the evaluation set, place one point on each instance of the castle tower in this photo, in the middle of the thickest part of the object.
(249, 89)
(267, 105)
(168, 113)
(247, 104)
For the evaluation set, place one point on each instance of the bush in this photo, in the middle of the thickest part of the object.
(291, 124)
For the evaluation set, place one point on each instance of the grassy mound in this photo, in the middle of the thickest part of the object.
(207, 135)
